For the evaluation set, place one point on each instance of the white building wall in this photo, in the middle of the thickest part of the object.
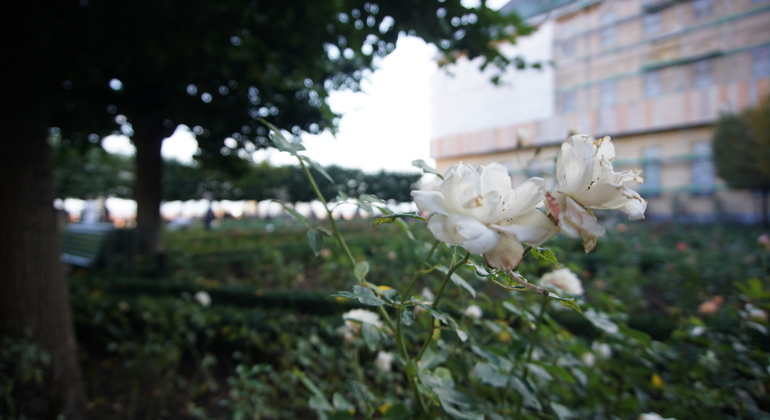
(464, 100)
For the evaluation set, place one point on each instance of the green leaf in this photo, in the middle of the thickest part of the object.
(525, 392)
(371, 335)
(457, 280)
(340, 403)
(280, 142)
(315, 240)
(363, 295)
(317, 166)
(545, 254)
(319, 403)
(411, 368)
(445, 319)
(639, 336)
(419, 163)
(391, 218)
(397, 411)
(391, 295)
(456, 404)
(302, 219)
(601, 321)
(361, 270)
(489, 374)
(561, 411)
(407, 317)
(559, 372)
(570, 303)
(309, 384)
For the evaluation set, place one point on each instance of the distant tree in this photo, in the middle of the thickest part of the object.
(741, 146)
(219, 66)
(93, 171)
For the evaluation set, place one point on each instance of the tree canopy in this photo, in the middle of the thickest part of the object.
(742, 150)
(145, 67)
(220, 66)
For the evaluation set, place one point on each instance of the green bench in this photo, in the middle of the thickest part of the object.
(98, 245)
(83, 244)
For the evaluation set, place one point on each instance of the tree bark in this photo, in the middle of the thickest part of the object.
(34, 296)
(148, 190)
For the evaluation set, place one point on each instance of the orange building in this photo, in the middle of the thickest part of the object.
(653, 74)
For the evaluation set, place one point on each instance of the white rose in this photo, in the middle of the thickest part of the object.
(474, 311)
(203, 298)
(585, 181)
(355, 317)
(384, 361)
(563, 279)
(480, 211)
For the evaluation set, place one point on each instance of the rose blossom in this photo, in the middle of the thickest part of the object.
(586, 181)
(563, 279)
(480, 211)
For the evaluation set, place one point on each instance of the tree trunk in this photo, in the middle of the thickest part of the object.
(34, 297)
(148, 192)
(765, 216)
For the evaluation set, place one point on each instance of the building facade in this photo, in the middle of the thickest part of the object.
(655, 75)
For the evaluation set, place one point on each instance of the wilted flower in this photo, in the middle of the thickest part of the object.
(480, 211)
(563, 279)
(474, 311)
(203, 298)
(384, 361)
(711, 306)
(586, 181)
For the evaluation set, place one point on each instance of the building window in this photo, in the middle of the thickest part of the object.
(652, 23)
(607, 32)
(702, 8)
(703, 178)
(703, 73)
(608, 93)
(653, 84)
(568, 47)
(651, 171)
(567, 102)
(760, 62)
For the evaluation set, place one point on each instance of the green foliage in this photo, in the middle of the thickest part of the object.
(22, 364)
(525, 356)
(80, 173)
(740, 155)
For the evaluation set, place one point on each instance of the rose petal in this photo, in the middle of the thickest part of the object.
(532, 228)
(431, 202)
(506, 255)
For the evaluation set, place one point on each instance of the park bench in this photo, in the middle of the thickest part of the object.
(97, 245)
(83, 243)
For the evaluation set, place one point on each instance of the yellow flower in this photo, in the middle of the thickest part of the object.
(384, 408)
(657, 381)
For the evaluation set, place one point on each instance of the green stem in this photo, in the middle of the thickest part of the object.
(530, 350)
(436, 301)
(335, 228)
(418, 274)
